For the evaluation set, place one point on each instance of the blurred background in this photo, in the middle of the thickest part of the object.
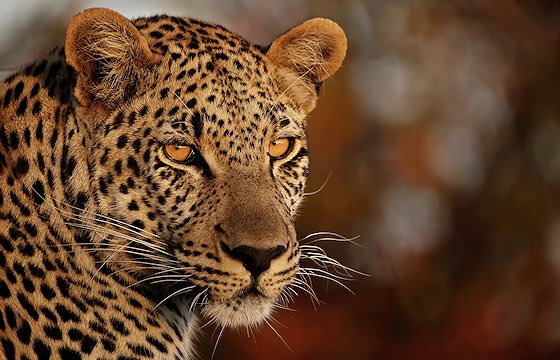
(441, 135)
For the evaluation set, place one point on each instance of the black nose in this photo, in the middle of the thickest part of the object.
(255, 260)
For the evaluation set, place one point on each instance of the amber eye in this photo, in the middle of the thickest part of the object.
(280, 148)
(178, 153)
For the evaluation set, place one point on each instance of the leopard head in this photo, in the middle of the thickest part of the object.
(197, 153)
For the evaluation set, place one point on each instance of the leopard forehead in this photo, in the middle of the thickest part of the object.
(215, 89)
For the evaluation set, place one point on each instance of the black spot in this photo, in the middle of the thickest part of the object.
(26, 249)
(63, 286)
(28, 307)
(39, 131)
(18, 89)
(69, 354)
(4, 290)
(19, 268)
(157, 344)
(88, 343)
(36, 108)
(70, 167)
(49, 314)
(191, 88)
(119, 326)
(181, 75)
(53, 332)
(133, 206)
(196, 124)
(47, 291)
(103, 186)
(10, 317)
(173, 111)
(79, 304)
(15, 234)
(167, 27)
(156, 34)
(132, 118)
(237, 64)
(136, 145)
(80, 200)
(147, 155)
(122, 141)
(66, 314)
(191, 103)
(104, 157)
(133, 165)
(108, 294)
(138, 223)
(119, 119)
(35, 90)
(75, 334)
(108, 345)
(27, 136)
(134, 303)
(28, 285)
(42, 350)
(30, 228)
(9, 350)
(36, 271)
(54, 137)
(7, 98)
(14, 140)
(24, 332)
(118, 167)
(194, 45)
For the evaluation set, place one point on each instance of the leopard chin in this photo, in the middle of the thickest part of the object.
(243, 311)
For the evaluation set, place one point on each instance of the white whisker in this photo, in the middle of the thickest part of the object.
(182, 290)
(320, 188)
(326, 275)
(217, 341)
(278, 334)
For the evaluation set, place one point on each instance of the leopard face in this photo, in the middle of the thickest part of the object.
(197, 153)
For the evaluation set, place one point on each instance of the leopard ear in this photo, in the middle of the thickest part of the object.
(307, 55)
(109, 56)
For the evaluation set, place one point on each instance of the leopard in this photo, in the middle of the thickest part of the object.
(151, 172)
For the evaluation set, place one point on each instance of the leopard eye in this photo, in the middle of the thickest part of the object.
(280, 148)
(178, 153)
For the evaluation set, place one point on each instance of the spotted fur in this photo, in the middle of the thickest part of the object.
(109, 248)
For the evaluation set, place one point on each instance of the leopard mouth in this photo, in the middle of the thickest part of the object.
(248, 308)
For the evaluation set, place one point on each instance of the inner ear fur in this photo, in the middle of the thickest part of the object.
(306, 56)
(109, 56)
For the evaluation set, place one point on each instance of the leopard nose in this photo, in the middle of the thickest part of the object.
(255, 260)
